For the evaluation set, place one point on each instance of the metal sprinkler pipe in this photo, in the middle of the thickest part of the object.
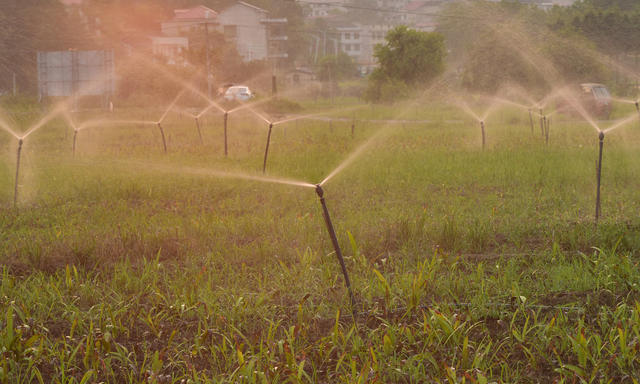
(15, 190)
(199, 132)
(483, 134)
(353, 128)
(75, 139)
(266, 149)
(226, 119)
(599, 175)
(336, 246)
(531, 121)
(638, 106)
(164, 140)
(541, 123)
(547, 122)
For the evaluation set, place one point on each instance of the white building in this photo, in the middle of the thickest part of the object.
(249, 28)
(323, 9)
(422, 14)
(255, 35)
(189, 20)
(359, 41)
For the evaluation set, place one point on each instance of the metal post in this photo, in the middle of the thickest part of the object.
(336, 246)
(353, 128)
(274, 86)
(164, 141)
(266, 149)
(226, 118)
(541, 123)
(483, 134)
(599, 175)
(547, 122)
(75, 138)
(531, 121)
(199, 132)
(638, 105)
(15, 190)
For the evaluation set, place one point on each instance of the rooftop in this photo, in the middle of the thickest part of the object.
(195, 13)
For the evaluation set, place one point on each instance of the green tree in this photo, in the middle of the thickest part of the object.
(409, 58)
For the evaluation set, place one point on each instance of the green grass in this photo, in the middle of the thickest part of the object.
(127, 265)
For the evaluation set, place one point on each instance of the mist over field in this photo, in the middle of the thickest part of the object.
(302, 191)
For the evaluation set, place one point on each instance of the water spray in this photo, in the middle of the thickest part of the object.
(15, 190)
(266, 149)
(336, 246)
(198, 128)
(483, 134)
(599, 174)
(226, 119)
(164, 141)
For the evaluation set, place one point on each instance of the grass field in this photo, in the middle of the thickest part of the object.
(123, 264)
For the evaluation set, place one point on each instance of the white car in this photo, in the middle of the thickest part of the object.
(238, 93)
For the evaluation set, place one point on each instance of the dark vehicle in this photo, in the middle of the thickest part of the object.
(594, 98)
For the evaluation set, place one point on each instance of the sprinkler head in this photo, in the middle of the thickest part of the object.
(637, 106)
(319, 191)
(601, 136)
(270, 125)
(20, 141)
(482, 124)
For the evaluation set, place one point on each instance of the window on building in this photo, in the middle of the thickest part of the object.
(356, 36)
(347, 36)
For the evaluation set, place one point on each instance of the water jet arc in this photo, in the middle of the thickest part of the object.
(336, 246)
(266, 149)
(15, 190)
(599, 175)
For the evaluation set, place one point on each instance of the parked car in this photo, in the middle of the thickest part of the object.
(238, 93)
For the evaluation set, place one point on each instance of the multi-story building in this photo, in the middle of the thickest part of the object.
(359, 41)
(255, 35)
(323, 9)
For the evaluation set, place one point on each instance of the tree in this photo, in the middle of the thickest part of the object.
(409, 58)
(336, 68)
